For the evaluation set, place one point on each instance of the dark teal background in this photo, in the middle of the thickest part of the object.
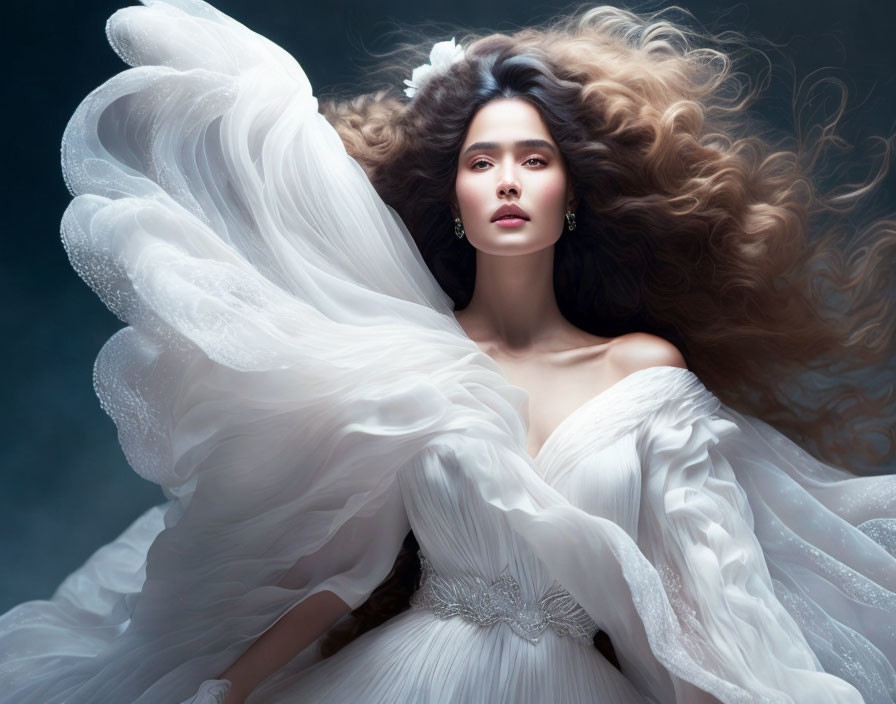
(65, 487)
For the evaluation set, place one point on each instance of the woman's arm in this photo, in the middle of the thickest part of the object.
(282, 642)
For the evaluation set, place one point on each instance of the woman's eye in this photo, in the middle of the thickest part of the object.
(538, 161)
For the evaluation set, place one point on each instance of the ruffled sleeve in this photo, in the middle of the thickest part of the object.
(698, 529)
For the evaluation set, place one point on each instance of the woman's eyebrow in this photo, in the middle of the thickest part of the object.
(486, 146)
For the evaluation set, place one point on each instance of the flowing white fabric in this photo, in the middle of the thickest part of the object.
(292, 376)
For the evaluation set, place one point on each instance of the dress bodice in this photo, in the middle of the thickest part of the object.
(595, 468)
(477, 567)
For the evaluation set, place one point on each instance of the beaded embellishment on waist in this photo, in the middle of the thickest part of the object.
(477, 601)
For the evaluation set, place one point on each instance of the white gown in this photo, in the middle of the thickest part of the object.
(293, 378)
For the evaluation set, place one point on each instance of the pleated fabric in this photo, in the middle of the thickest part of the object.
(293, 378)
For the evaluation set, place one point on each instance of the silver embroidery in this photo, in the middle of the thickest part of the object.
(473, 599)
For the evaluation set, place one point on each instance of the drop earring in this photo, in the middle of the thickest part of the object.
(570, 220)
(459, 229)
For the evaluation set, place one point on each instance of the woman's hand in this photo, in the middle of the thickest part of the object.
(215, 692)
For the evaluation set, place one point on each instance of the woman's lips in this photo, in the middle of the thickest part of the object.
(509, 222)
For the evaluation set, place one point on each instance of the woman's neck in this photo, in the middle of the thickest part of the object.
(513, 304)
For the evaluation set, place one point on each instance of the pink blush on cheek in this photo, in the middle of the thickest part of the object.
(552, 195)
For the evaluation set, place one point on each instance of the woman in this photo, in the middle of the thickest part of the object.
(308, 379)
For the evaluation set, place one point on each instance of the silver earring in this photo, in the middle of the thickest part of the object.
(459, 228)
(570, 220)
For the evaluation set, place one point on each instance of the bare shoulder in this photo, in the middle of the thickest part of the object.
(639, 350)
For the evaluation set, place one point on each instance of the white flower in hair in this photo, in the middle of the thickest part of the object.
(443, 55)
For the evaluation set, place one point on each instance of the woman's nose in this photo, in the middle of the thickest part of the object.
(508, 185)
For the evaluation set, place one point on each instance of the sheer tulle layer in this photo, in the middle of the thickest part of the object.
(284, 336)
(827, 538)
(288, 356)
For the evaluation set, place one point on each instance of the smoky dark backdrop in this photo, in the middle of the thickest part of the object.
(65, 487)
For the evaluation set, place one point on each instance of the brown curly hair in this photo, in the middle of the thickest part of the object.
(694, 223)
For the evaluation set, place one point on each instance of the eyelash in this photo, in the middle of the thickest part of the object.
(483, 161)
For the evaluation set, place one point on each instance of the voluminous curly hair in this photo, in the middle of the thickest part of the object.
(694, 223)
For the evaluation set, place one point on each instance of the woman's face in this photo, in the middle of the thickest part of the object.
(508, 158)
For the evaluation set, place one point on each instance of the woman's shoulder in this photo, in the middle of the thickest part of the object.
(657, 379)
(634, 351)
